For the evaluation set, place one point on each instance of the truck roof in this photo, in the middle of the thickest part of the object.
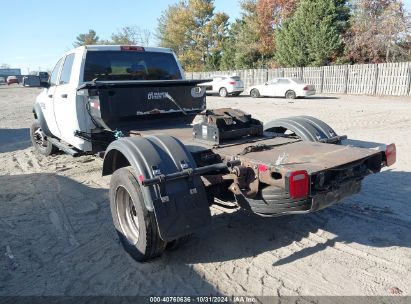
(119, 47)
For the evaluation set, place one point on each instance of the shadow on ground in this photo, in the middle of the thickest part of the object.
(14, 139)
(318, 97)
(58, 238)
(314, 97)
(381, 203)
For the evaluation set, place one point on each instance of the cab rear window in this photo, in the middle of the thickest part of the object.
(126, 65)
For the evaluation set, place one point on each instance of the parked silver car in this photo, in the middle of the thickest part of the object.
(289, 88)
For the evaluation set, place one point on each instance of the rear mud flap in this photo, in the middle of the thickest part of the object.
(182, 213)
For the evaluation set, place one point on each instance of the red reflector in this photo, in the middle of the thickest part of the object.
(141, 178)
(262, 168)
(390, 154)
(231, 82)
(132, 48)
(298, 184)
(95, 105)
(306, 88)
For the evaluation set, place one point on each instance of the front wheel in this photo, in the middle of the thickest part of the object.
(290, 95)
(223, 92)
(136, 226)
(39, 140)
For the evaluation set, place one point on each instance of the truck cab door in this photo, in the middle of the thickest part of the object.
(47, 100)
(65, 102)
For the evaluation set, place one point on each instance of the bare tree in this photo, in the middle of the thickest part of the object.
(395, 26)
(5, 66)
(131, 35)
(380, 32)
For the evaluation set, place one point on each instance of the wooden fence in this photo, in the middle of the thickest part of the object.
(369, 79)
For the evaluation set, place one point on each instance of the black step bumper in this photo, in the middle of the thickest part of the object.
(286, 206)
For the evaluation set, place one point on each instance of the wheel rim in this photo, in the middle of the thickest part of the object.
(254, 93)
(127, 215)
(290, 95)
(223, 92)
(39, 137)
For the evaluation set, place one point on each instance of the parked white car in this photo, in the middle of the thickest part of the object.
(225, 85)
(289, 88)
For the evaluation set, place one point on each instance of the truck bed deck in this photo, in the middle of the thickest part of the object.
(289, 153)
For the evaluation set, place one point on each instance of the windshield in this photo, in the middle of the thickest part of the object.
(126, 65)
(298, 81)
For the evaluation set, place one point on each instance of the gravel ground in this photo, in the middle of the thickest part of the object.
(57, 237)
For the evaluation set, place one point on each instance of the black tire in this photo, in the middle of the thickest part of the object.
(136, 226)
(254, 93)
(290, 95)
(39, 140)
(223, 92)
(174, 245)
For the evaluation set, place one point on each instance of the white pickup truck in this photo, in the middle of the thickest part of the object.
(65, 116)
(131, 105)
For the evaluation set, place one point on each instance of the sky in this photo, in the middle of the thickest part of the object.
(34, 34)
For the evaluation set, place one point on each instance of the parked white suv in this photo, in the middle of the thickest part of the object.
(225, 85)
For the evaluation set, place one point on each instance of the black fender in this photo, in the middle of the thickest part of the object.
(306, 127)
(38, 114)
(180, 206)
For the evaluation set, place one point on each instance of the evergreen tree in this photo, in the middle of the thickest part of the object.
(229, 47)
(313, 36)
(246, 42)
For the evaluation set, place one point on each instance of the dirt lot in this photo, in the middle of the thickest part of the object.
(56, 235)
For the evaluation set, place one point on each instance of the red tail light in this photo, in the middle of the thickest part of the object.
(390, 155)
(94, 102)
(298, 186)
(231, 82)
(306, 88)
(132, 48)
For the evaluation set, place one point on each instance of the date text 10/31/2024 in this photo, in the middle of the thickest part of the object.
(203, 299)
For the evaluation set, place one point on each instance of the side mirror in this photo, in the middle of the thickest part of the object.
(45, 84)
(266, 83)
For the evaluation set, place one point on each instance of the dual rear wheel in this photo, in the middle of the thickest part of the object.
(136, 225)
